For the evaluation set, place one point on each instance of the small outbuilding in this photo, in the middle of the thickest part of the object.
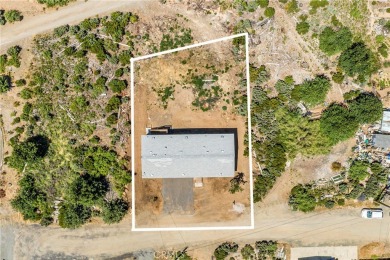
(381, 141)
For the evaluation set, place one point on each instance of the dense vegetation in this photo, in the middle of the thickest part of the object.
(52, 3)
(281, 131)
(75, 122)
(340, 121)
(261, 250)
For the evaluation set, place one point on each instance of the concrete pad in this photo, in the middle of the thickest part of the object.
(325, 253)
(178, 196)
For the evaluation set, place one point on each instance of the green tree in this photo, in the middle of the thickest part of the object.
(358, 60)
(269, 12)
(312, 92)
(3, 62)
(235, 183)
(358, 170)
(13, 56)
(266, 248)
(337, 123)
(28, 152)
(338, 77)
(302, 27)
(30, 200)
(223, 250)
(5, 83)
(73, 215)
(302, 198)
(113, 104)
(114, 211)
(292, 7)
(87, 190)
(248, 252)
(2, 18)
(117, 85)
(366, 108)
(263, 3)
(332, 42)
(13, 16)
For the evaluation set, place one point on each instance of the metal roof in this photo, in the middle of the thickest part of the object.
(187, 155)
(381, 141)
(385, 127)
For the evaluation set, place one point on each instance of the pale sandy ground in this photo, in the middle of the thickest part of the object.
(273, 220)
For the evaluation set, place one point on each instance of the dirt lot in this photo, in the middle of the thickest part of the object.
(213, 202)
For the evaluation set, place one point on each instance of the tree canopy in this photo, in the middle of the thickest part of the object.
(337, 123)
(366, 108)
(332, 42)
(312, 92)
(358, 60)
(114, 211)
(302, 198)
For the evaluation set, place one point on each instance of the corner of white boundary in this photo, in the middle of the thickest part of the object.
(133, 228)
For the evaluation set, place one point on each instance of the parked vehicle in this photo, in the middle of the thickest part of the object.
(372, 213)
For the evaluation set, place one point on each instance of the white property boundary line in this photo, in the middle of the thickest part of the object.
(252, 225)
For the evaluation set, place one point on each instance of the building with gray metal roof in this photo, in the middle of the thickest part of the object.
(188, 155)
(381, 141)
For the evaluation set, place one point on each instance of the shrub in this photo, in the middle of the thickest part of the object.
(341, 202)
(60, 31)
(117, 85)
(292, 7)
(266, 248)
(338, 77)
(20, 82)
(302, 198)
(302, 27)
(269, 12)
(248, 252)
(113, 104)
(336, 166)
(329, 204)
(13, 16)
(3, 62)
(5, 83)
(263, 3)
(223, 250)
(112, 119)
(73, 215)
(358, 170)
(114, 211)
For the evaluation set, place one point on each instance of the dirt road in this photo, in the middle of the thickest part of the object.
(74, 13)
(341, 227)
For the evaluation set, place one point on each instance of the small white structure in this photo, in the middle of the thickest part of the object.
(385, 126)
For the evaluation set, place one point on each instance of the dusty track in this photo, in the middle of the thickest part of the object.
(74, 13)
